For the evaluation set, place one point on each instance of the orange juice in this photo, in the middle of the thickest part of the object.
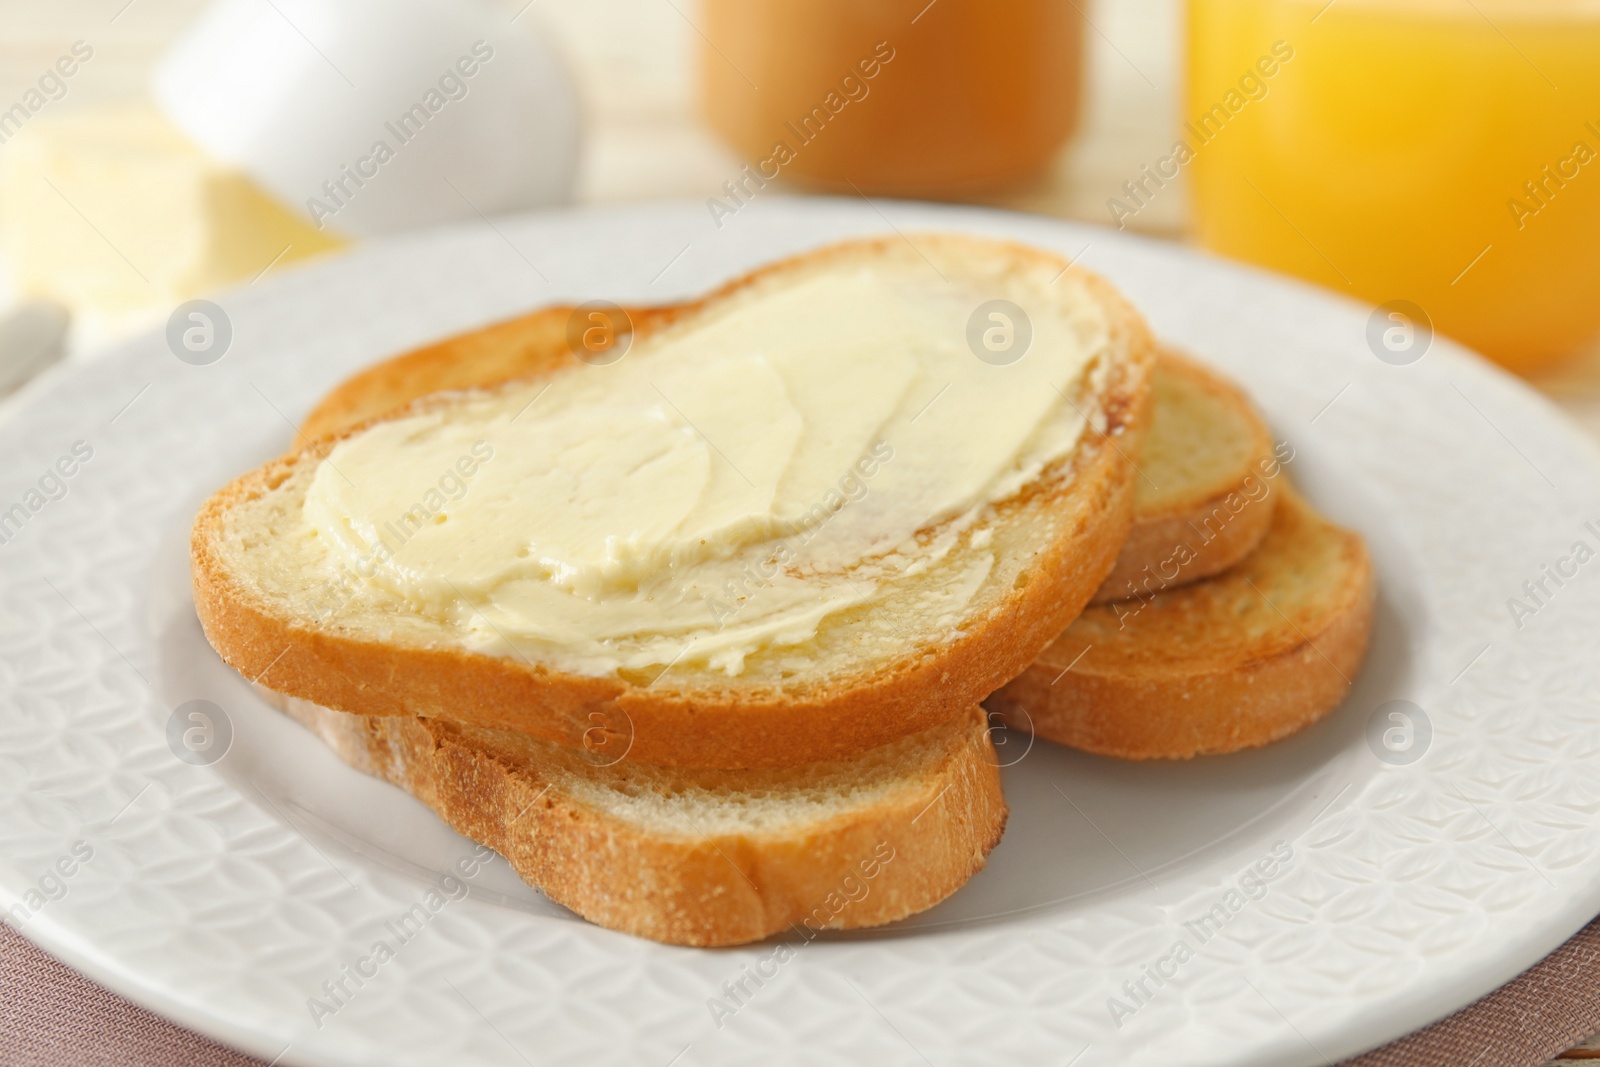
(1444, 152)
(904, 97)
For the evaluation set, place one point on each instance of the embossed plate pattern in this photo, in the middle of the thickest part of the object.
(1405, 881)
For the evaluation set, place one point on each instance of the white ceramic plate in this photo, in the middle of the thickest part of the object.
(225, 895)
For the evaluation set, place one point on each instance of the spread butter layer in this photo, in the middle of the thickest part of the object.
(727, 486)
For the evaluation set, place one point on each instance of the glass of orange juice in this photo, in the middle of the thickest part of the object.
(1444, 153)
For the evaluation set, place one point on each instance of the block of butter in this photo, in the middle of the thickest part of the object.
(114, 213)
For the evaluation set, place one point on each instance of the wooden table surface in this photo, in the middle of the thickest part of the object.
(1582, 1056)
(633, 60)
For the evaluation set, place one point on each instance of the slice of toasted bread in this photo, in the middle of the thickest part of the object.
(1204, 499)
(1236, 661)
(870, 675)
(524, 347)
(701, 857)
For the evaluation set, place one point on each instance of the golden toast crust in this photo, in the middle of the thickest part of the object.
(1213, 524)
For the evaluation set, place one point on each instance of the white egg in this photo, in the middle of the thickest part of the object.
(371, 116)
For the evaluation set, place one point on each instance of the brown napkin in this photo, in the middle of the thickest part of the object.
(1537, 1015)
(51, 1016)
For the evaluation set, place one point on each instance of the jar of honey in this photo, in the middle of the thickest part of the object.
(898, 97)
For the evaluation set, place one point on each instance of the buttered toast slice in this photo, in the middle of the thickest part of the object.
(822, 509)
(1204, 496)
(701, 857)
(1235, 661)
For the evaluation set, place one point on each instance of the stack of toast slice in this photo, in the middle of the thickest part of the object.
(1235, 616)
(1160, 592)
